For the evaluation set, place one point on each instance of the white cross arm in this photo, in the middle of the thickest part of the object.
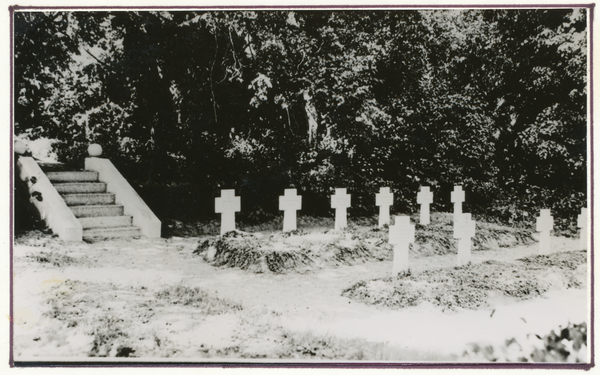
(340, 199)
(384, 197)
(458, 195)
(228, 202)
(425, 196)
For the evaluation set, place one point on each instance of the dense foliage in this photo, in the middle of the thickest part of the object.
(187, 103)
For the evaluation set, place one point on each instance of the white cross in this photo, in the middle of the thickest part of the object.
(544, 225)
(340, 201)
(402, 233)
(289, 203)
(464, 230)
(457, 197)
(227, 205)
(384, 200)
(583, 224)
(424, 198)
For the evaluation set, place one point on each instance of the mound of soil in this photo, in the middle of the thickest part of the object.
(301, 251)
(283, 252)
(437, 237)
(472, 286)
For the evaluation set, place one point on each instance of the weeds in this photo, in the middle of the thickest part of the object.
(197, 298)
(64, 305)
(568, 260)
(107, 330)
(53, 258)
(309, 345)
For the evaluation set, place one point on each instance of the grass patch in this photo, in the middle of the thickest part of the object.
(308, 345)
(67, 303)
(53, 258)
(197, 298)
(568, 260)
(108, 332)
(76, 308)
(469, 286)
(36, 238)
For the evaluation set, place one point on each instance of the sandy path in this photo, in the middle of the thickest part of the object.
(311, 301)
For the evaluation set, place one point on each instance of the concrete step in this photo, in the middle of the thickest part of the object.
(81, 176)
(80, 187)
(99, 210)
(105, 221)
(88, 199)
(115, 232)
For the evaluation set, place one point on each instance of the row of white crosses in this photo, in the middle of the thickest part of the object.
(402, 233)
(545, 223)
(228, 204)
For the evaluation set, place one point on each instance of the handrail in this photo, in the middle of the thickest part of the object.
(125, 195)
(51, 206)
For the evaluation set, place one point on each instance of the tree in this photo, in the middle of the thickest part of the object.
(264, 100)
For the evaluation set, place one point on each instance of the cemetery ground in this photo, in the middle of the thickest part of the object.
(315, 294)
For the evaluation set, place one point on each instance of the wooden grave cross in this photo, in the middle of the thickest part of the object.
(464, 230)
(583, 224)
(457, 197)
(424, 198)
(289, 203)
(402, 234)
(384, 199)
(340, 201)
(544, 224)
(227, 205)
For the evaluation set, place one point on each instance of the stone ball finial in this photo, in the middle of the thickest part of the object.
(94, 150)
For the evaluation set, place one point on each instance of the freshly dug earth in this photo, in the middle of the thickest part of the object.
(471, 286)
(301, 251)
(437, 237)
(294, 251)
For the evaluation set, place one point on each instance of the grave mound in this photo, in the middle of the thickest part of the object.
(291, 251)
(316, 247)
(474, 285)
(437, 237)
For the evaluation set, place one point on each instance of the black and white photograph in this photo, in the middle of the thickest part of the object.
(338, 186)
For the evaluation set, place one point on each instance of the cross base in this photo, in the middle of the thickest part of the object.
(384, 215)
(544, 243)
(341, 221)
(289, 220)
(583, 238)
(457, 210)
(227, 222)
(464, 251)
(424, 218)
(400, 263)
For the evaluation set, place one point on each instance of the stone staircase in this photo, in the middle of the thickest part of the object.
(95, 209)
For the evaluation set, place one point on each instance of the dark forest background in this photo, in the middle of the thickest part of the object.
(187, 103)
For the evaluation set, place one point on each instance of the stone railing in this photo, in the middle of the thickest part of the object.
(126, 196)
(51, 206)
